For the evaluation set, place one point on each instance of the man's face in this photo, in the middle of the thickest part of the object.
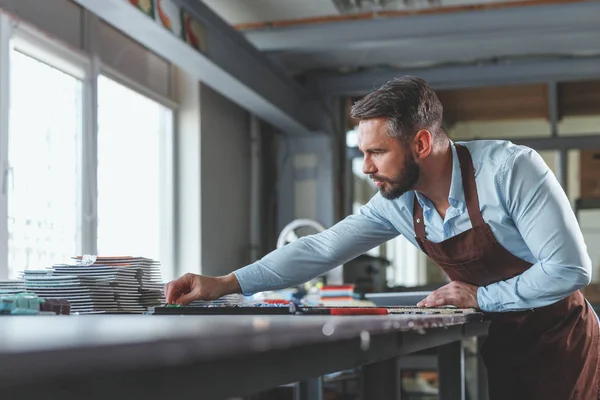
(388, 162)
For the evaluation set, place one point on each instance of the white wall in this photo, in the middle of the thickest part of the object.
(225, 180)
(60, 18)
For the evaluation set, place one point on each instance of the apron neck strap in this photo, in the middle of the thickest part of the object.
(418, 222)
(470, 188)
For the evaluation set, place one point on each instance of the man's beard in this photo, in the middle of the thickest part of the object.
(394, 188)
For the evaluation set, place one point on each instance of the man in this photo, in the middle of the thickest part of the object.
(489, 213)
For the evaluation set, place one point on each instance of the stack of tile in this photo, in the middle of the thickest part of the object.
(87, 295)
(150, 286)
(20, 304)
(12, 286)
(101, 284)
(337, 295)
(14, 295)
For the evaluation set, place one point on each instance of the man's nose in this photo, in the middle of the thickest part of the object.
(368, 167)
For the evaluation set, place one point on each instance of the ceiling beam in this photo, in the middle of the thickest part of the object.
(230, 65)
(467, 76)
(565, 142)
(512, 45)
(582, 142)
(385, 32)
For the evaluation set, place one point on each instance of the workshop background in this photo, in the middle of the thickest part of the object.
(193, 132)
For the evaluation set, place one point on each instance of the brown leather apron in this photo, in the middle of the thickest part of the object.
(546, 353)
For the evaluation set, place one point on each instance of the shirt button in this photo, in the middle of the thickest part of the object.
(418, 220)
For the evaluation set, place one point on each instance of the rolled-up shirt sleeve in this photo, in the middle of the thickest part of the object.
(540, 209)
(313, 255)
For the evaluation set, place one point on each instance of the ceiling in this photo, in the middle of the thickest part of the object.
(243, 11)
(314, 40)
(236, 12)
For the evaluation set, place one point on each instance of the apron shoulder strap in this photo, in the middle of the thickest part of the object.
(418, 222)
(469, 186)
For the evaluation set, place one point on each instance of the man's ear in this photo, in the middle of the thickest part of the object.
(422, 144)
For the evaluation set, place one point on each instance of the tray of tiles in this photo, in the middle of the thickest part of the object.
(430, 310)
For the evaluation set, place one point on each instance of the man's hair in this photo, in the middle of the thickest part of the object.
(409, 103)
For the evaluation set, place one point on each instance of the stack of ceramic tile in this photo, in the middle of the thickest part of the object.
(337, 295)
(101, 284)
(86, 295)
(123, 281)
(150, 286)
(12, 286)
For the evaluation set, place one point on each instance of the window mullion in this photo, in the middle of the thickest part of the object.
(5, 37)
(88, 210)
(89, 163)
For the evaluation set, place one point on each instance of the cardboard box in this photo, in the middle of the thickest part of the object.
(590, 174)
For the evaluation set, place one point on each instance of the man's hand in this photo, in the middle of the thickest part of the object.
(455, 293)
(192, 287)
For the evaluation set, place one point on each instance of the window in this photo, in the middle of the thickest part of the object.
(69, 185)
(45, 125)
(134, 133)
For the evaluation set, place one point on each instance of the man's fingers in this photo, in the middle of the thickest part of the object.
(429, 300)
(455, 293)
(437, 298)
(176, 288)
(187, 298)
(440, 302)
(170, 292)
(166, 290)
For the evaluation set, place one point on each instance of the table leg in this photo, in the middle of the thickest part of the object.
(482, 377)
(310, 389)
(381, 380)
(452, 371)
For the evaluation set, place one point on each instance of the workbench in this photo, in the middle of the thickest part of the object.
(216, 357)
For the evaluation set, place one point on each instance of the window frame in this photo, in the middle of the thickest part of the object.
(5, 51)
(15, 35)
(20, 36)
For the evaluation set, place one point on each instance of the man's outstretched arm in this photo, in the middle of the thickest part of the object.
(294, 263)
(313, 255)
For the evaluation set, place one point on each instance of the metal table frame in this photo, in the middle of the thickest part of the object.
(238, 374)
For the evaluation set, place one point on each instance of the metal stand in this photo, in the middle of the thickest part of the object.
(381, 380)
(310, 389)
(482, 376)
(452, 371)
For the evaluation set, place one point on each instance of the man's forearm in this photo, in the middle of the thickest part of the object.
(539, 286)
(229, 285)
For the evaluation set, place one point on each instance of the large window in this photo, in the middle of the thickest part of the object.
(133, 132)
(86, 163)
(44, 132)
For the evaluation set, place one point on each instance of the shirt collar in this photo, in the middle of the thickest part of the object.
(456, 196)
